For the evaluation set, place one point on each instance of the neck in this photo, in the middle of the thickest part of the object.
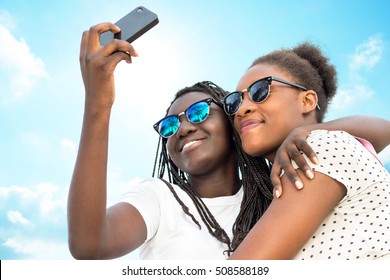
(222, 182)
(308, 121)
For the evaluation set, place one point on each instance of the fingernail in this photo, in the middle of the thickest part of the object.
(277, 193)
(299, 185)
(135, 53)
(315, 159)
(309, 174)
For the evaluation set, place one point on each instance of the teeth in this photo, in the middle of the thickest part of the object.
(189, 144)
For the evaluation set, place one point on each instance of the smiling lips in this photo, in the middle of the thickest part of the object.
(190, 145)
(249, 124)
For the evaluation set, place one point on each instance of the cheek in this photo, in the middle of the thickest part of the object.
(225, 138)
(225, 128)
(170, 146)
(222, 133)
(252, 144)
(235, 123)
(174, 157)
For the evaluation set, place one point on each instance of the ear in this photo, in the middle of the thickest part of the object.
(309, 101)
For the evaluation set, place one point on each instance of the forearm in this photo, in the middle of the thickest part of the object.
(88, 221)
(374, 129)
(87, 194)
(291, 220)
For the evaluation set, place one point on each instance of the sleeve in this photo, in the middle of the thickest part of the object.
(145, 197)
(342, 158)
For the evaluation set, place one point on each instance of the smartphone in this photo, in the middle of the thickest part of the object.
(132, 25)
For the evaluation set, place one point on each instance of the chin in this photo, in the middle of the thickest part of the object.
(252, 149)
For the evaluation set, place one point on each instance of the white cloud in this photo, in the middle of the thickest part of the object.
(68, 145)
(50, 208)
(367, 54)
(345, 98)
(44, 198)
(25, 194)
(20, 68)
(41, 211)
(16, 217)
(39, 249)
(6, 19)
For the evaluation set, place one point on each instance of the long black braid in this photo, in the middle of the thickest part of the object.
(257, 186)
(255, 179)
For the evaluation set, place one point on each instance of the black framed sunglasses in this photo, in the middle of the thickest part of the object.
(196, 113)
(258, 93)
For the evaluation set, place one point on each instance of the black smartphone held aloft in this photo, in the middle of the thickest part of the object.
(132, 26)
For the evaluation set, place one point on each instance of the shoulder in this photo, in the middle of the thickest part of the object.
(329, 137)
(152, 183)
(144, 184)
(336, 147)
(342, 157)
(153, 188)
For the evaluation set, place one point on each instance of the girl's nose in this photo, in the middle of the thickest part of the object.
(247, 105)
(185, 127)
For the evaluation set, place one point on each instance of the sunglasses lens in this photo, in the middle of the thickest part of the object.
(259, 91)
(232, 102)
(168, 126)
(198, 112)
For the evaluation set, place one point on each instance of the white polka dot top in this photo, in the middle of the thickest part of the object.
(359, 226)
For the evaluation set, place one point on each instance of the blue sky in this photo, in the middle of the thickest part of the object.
(41, 91)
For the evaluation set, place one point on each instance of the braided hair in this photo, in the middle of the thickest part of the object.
(255, 179)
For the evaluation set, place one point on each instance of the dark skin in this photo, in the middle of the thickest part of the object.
(94, 231)
(98, 232)
(285, 109)
(205, 151)
(287, 224)
(374, 129)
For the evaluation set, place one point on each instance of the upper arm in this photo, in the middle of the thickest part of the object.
(126, 231)
(291, 220)
(375, 130)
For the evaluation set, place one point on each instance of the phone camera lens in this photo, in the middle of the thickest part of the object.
(140, 10)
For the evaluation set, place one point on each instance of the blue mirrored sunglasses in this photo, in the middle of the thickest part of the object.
(196, 113)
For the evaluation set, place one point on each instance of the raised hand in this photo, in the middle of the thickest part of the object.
(99, 62)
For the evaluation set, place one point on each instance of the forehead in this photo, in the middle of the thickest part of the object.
(258, 72)
(186, 100)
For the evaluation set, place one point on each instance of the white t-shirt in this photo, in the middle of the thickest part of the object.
(359, 226)
(171, 234)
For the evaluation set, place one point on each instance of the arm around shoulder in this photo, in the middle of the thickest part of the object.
(374, 129)
(291, 220)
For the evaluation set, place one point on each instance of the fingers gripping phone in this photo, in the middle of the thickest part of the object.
(132, 26)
